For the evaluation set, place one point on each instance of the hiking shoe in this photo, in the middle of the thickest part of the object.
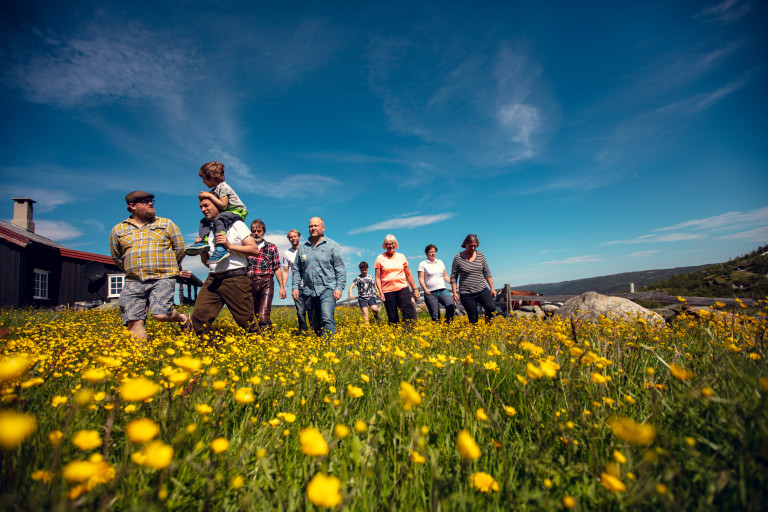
(220, 254)
(196, 248)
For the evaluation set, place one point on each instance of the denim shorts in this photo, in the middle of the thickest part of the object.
(155, 295)
(364, 303)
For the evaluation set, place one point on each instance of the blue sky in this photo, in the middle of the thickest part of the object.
(575, 139)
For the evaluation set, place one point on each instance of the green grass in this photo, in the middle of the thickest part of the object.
(709, 452)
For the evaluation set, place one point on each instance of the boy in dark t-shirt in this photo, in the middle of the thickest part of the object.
(366, 292)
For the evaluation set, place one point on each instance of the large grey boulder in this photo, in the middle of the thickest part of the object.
(590, 305)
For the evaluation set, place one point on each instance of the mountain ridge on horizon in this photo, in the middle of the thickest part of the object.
(611, 283)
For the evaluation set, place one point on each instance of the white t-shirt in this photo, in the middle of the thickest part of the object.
(433, 274)
(235, 234)
(289, 256)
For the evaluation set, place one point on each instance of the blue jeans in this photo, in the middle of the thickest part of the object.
(321, 309)
(301, 313)
(439, 297)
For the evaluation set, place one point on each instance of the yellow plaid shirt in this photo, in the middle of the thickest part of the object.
(153, 251)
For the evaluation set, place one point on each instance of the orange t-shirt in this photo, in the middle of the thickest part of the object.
(392, 272)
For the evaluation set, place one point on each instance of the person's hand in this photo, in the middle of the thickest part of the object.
(416, 293)
(382, 297)
(203, 195)
(351, 297)
(336, 294)
(185, 273)
(493, 292)
(221, 239)
(295, 294)
(456, 298)
(426, 292)
(282, 292)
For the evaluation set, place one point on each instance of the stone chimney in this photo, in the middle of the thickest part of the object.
(22, 213)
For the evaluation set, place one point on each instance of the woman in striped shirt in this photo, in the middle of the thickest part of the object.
(471, 272)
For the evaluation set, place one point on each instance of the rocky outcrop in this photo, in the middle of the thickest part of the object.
(590, 305)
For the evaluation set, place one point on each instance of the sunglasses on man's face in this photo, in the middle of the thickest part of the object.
(145, 201)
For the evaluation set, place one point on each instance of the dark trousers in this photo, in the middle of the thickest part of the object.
(262, 291)
(471, 300)
(437, 298)
(222, 222)
(233, 291)
(399, 299)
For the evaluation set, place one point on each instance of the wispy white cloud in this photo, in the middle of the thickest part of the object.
(726, 11)
(403, 222)
(57, 230)
(671, 237)
(98, 225)
(101, 62)
(587, 258)
(753, 235)
(725, 220)
(46, 199)
(642, 254)
(488, 107)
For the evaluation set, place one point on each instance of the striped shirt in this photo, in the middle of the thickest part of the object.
(471, 275)
(152, 251)
(266, 263)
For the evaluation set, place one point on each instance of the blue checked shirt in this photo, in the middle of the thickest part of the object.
(319, 268)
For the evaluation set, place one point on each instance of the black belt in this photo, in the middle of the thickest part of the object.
(229, 273)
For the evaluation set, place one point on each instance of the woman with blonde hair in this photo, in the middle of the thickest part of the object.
(392, 280)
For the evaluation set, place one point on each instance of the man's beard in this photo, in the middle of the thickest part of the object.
(146, 215)
(258, 239)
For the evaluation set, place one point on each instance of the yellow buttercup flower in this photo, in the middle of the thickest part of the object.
(157, 455)
(55, 437)
(361, 427)
(680, 372)
(312, 442)
(354, 391)
(417, 458)
(569, 501)
(612, 483)
(480, 415)
(87, 439)
(203, 409)
(642, 434)
(244, 396)
(619, 457)
(15, 427)
(409, 396)
(509, 410)
(79, 471)
(219, 445)
(483, 482)
(598, 378)
(341, 431)
(467, 446)
(94, 375)
(142, 430)
(14, 367)
(188, 363)
(139, 389)
(533, 372)
(289, 417)
(237, 482)
(324, 491)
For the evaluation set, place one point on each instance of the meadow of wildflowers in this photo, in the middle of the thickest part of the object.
(518, 414)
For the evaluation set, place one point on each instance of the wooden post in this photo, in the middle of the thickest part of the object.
(508, 294)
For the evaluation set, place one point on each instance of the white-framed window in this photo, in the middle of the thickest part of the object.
(40, 284)
(115, 285)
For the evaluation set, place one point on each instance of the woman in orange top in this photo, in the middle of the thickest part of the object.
(392, 279)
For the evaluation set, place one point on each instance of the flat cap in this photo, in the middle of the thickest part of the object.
(137, 195)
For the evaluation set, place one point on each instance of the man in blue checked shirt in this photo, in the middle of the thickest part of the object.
(319, 277)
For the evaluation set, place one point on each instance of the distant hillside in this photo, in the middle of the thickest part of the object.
(744, 276)
(614, 283)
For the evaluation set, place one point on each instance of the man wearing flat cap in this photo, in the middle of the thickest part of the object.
(149, 250)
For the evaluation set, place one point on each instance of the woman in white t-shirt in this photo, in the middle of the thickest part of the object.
(432, 278)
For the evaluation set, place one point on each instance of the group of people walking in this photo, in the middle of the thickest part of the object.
(243, 267)
(470, 280)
